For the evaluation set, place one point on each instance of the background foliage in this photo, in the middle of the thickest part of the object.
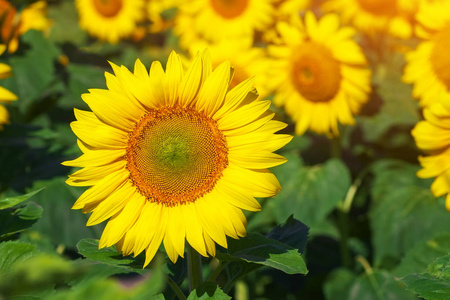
(374, 229)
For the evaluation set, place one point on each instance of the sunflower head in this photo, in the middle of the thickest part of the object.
(5, 95)
(319, 73)
(174, 156)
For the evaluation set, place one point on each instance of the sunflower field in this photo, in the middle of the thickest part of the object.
(225, 149)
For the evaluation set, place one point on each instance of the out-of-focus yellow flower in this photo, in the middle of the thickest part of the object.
(394, 17)
(428, 66)
(216, 20)
(13, 24)
(5, 95)
(174, 156)
(246, 61)
(320, 74)
(110, 20)
(433, 137)
(155, 8)
(284, 11)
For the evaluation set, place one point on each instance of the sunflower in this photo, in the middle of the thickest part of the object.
(247, 61)
(216, 20)
(155, 9)
(13, 24)
(428, 66)
(395, 17)
(319, 73)
(110, 20)
(174, 156)
(284, 11)
(5, 95)
(432, 136)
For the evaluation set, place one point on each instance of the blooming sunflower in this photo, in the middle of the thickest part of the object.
(13, 24)
(110, 20)
(174, 155)
(433, 137)
(320, 74)
(428, 66)
(5, 95)
(216, 20)
(374, 16)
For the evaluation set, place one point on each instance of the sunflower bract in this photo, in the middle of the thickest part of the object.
(173, 156)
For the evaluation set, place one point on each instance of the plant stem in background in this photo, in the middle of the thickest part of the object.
(176, 288)
(194, 268)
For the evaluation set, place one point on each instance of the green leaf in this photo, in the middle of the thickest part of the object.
(208, 290)
(12, 253)
(59, 222)
(422, 254)
(33, 71)
(14, 220)
(402, 202)
(109, 256)
(343, 284)
(310, 193)
(292, 232)
(257, 249)
(398, 107)
(434, 285)
(338, 284)
(66, 28)
(11, 201)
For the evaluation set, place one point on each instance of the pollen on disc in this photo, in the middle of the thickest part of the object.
(175, 155)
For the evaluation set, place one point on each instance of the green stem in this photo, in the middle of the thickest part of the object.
(176, 288)
(369, 272)
(344, 230)
(336, 149)
(217, 271)
(194, 268)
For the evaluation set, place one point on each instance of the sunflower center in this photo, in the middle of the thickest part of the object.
(379, 7)
(108, 8)
(440, 58)
(175, 155)
(229, 8)
(315, 73)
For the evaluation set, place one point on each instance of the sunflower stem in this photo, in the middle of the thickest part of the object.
(194, 268)
(176, 288)
(336, 149)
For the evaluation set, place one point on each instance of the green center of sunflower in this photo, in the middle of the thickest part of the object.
(108, 8)
(229, 9)
(175, 155)
(379, 7)
(440, 58)
(315, 73)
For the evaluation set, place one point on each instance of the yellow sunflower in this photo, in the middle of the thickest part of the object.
(155, 8)
(433, 137)
(320, 74)
(13, 24)
(428, 66)
(216, 20)
(174, 155)
(395, 17)
(110, 20)
(284, 11)
(5, 95)
(247, 61)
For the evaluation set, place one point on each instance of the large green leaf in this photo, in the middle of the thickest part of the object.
(434, 285)
(33, 70)
(11, 201)
(292, 232)
(109, 256)
(378, 285)
(208, 290)
(12, 253)
(59, 222)
(310, 193)
(402, 202)
(14, 220)
(422, 254)
(257, 249)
